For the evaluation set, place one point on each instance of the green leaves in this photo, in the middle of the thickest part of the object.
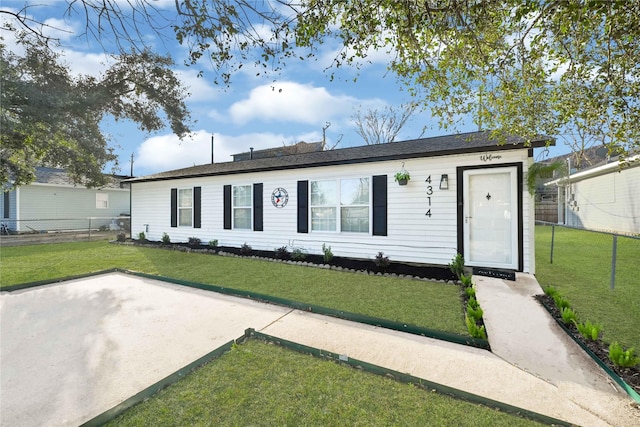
(51, 118)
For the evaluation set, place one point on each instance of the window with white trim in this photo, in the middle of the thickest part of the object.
(241, 206)
(102, 200)
(185, 207)
(345, 202)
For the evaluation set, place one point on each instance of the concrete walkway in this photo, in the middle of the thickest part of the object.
(70, 351)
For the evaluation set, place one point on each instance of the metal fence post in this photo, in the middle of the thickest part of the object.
(553, 232)
(89, 228)
(613, 262)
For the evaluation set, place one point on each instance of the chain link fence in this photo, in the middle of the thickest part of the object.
(35, 231)
(613, 258)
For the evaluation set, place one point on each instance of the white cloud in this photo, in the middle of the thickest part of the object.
(295, 102)
(198, 87)
(167, 152)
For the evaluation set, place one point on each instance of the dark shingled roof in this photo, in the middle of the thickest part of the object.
(424, 147)
(286, 150)
(57, 176)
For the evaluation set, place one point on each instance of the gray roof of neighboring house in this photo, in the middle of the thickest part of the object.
(55, 176)
(425, 147)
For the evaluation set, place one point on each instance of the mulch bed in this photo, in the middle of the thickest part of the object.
(631, 376)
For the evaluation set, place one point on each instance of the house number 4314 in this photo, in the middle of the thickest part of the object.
(429, 193)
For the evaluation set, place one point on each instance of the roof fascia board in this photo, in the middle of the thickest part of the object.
(597, 171)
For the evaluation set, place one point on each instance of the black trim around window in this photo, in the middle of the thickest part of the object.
(174, 207)
(257, 207)
(227, 206)
(380, 205)
(303, 206)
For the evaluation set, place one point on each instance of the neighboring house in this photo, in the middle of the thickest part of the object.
(53, 203)
(465, 195)
(604, 198)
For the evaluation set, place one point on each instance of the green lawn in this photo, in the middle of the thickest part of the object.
(242, 387)
(581, 272)
(426, 304)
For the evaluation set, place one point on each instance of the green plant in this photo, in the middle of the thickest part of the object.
(245, 249)
(103, 228)
(474, 330)
(621, 357)
(381, 261)
(550, 291)
(121, 237)
(457, 265)
(141, 236)
(568, 315)
(542, 170)
(465, 279)
(195, 241)
(165, 238)
(213, 243)
(281, 253)
(327, 254)
(403, 175)
(298, 254)
(589, 330)
(475, 313)
(473, 303)
(560, 302)
(470, 292)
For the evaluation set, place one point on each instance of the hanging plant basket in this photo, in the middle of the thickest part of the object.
(402, 177)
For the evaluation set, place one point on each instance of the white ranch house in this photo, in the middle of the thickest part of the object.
(465, 195)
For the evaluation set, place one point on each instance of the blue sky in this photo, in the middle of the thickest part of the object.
(258, 112)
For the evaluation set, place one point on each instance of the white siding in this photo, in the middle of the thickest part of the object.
(412, 235)
(50, 207)
(608, 202)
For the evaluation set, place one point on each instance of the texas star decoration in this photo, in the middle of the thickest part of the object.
(279, 197)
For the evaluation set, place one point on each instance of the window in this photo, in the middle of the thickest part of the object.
(242, 207)
(102, 201)
(352, 211)
(185, 207)
(354, 205)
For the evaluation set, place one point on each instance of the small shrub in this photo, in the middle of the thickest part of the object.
(381, 261)
(298, 254)
(560, 302)
(465, 279)
(194, 241)
(475, 313)
(281, 253)
(473, 303)
(474, 330)
(213, 243)
(470, 292)
(623, 358)
(551, 291)
(457, 265)
(327, 254)
(589, 330)
(103, 228)
(245, 249)
(142, 237)
(166, 239)
(121, 237)
(568, 315)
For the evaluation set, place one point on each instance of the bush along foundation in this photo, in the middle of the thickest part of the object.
(472, 311)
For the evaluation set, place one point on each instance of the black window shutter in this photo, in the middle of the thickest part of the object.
(197, 197)
(174, 207)
(303, 206)
(380, 205)
(257, 207)
(7, 205)
(227, 207)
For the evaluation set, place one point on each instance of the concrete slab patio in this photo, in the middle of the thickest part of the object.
(70, 351)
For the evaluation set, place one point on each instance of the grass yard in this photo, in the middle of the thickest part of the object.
(427, 304)
(259, 384)
(581, 272)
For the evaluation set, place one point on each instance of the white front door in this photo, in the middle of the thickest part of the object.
(491, 218)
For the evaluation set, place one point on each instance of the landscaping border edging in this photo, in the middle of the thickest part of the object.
(626, 387)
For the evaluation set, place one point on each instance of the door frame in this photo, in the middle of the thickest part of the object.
(460, 202)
